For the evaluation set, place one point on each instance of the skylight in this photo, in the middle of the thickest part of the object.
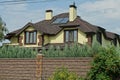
(60, 20)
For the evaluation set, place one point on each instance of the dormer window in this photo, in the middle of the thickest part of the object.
(99, 37)
(30, 37)
(60, 20)
(70, 35)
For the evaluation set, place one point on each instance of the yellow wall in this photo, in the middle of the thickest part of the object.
(82, 37)
(59, 38)
(14, 40)
(46, 39)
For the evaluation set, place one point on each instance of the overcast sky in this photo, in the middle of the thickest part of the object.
(104, 13)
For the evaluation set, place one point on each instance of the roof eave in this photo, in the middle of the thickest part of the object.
(26, 26)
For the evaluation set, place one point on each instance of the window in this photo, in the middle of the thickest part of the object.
(115, 41)
(30, 37)
(61, 20)
(99, 37)
(71, 35)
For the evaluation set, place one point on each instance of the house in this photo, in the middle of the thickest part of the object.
(64, 28)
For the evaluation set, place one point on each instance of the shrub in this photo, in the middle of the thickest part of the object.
(64, 74)
(74, 50)
(106, 65)
(17, 52)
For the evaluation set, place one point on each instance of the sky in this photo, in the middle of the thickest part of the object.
(104, 13)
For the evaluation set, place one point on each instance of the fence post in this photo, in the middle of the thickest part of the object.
(39, 59)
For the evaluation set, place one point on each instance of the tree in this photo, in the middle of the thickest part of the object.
(105, 65)
(3, 30)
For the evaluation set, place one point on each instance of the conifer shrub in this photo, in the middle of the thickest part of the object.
(17, 52)
(69, 51)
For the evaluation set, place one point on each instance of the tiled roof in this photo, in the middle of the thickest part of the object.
(110, 35)
(48, 27)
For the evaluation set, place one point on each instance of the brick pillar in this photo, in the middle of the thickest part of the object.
(39, 66)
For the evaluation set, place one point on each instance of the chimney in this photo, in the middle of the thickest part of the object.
(48, 14)
(72, 12)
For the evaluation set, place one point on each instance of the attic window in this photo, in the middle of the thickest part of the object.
(60, 20)
(30, 37)
(70, 35)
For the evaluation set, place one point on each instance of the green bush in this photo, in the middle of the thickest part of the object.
(106, 65)
(64, 74)
(17, 52)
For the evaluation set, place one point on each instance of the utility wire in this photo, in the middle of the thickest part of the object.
(23, 1)
(12, 1)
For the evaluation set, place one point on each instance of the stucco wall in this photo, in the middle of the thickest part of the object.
(82, 39)
(46, 39)
(59, 38)
(14, 40)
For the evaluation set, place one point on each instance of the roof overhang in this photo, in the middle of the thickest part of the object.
(25, 27)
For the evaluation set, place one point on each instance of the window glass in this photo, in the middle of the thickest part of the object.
(30, 37)
(67, 33)
(75, 35)
(71, 36)
(34, 37)
(27, 37)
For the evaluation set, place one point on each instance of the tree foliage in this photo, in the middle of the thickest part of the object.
(106, 65)
(3, 30)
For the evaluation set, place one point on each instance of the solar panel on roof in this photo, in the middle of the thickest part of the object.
(58, 20)
(65, 20)
(61, 20)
